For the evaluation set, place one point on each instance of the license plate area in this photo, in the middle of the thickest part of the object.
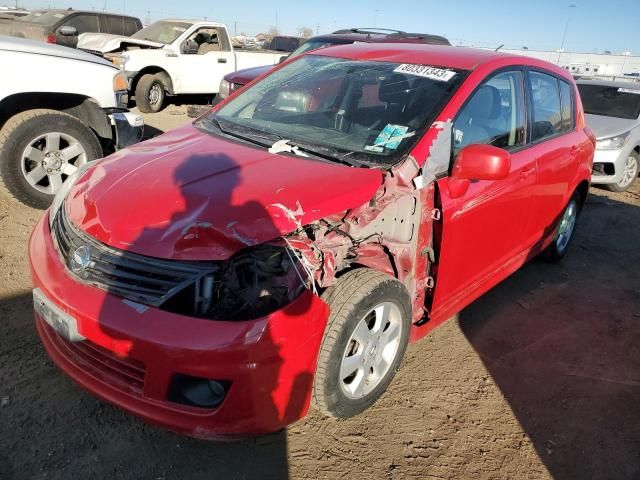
(64, 324)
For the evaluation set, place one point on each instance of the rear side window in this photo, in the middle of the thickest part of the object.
(547, 112)
(120, 25)
(494, 115)
(566, 101)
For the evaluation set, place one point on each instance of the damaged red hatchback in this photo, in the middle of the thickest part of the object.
(283, 249)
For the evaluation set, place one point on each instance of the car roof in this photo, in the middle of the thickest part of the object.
(610, 83)
(69, 11)
(379, 35)
(419, 53)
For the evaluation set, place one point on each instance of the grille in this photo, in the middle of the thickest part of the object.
(146, 280)
(125, 373)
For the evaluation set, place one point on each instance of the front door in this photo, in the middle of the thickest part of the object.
(486, 230)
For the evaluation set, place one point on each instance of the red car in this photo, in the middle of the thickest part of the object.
(284, 249)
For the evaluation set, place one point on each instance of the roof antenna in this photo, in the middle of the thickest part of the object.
(499, 47)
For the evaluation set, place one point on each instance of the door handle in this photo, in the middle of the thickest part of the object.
(222, 60)
(574, 151)
(526, 173)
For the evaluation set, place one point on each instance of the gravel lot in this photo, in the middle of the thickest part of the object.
(540, 378)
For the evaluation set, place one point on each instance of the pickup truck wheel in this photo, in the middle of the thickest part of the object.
(629, 174)
(39, 149)
(150, 93)
(564, 231)
(364, 342)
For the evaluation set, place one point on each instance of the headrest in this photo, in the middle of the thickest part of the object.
(486, 103)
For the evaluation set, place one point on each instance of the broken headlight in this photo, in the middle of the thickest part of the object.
(253, 283)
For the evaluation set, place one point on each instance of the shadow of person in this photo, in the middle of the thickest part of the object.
(206, 220)
(562, 344)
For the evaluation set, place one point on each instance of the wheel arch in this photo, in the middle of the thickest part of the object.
(583, 190)
(82, 107)
(153, 70)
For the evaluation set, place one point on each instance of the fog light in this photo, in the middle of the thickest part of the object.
(197, 392)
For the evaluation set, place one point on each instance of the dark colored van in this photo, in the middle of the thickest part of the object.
(62, 27)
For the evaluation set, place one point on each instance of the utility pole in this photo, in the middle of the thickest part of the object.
(277, 31)
(318, 29)
(564, 36)
(235, 29)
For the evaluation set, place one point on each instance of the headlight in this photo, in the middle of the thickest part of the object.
(253, 283)
(225, 89)
(120, 82)
(612, 143)
(58, 200)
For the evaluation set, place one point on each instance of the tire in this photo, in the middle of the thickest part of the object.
(31, 129)
(632, 166)
(564, 231)
(358, 296)
(150, 93)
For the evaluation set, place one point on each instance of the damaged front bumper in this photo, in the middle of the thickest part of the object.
(132, 357)
(127, 127)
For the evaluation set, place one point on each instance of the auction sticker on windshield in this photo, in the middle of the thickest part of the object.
(432, 73)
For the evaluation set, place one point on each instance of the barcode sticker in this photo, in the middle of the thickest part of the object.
(432, 73)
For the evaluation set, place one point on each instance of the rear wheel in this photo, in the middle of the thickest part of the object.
(629, 174)
(364, 341)
(150, 93)
(39, 150)
(564, 231)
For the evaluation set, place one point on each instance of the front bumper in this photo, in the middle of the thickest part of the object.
(130, 356)
(128, 128)
(609, 165)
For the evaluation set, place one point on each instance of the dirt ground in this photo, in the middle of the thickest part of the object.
(540, 378)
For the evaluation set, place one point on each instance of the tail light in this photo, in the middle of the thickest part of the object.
(591, 135)
(50, 38)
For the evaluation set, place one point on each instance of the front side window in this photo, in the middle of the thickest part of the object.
(83, 23)
(356, 111)
(494, 115)
(547, 116)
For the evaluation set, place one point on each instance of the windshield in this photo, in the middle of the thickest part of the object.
(162, 32)
(43, 17)
(610, 101)
(311, 45)
(354, 111)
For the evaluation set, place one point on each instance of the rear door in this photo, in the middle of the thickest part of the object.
(555, 145)
(486, 231)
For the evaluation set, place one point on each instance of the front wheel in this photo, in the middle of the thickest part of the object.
(629, 174)
(150, 93)
(39, 150)
(364, 342)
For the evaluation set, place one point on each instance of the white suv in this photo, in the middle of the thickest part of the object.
(613, 113)
(59, 108)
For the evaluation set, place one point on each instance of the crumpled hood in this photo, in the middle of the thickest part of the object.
(187, 195)
(106, 42)
(605, 127)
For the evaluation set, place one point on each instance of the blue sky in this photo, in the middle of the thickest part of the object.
(536, 24)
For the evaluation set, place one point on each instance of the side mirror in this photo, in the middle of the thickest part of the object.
(283, 58)
(68, 31)
(482, 162)
(478, 162)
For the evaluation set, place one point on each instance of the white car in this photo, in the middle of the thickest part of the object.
(613, 113)
(59, 109)
(175, 57)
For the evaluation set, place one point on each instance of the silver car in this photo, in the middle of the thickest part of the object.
(613, 113)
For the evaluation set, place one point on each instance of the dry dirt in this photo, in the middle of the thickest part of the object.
(540, 378)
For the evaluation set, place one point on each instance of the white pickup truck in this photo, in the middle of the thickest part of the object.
(175, 57)
(59, 109)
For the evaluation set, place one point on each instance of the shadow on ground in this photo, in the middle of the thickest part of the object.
(562, 342)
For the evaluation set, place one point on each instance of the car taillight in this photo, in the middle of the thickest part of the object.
(50, 38)
(591, 135)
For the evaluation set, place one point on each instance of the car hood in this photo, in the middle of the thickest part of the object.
(605, 127)
(40, 48)
(188, 195)
(242, 77)
(106, 42)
